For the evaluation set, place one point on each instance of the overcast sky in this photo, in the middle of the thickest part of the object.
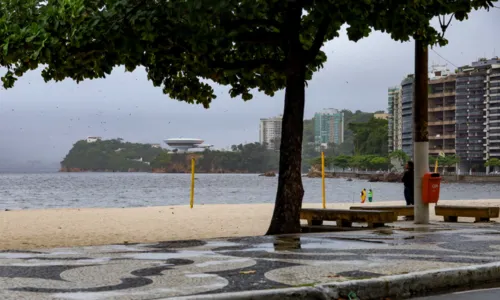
(41, 121)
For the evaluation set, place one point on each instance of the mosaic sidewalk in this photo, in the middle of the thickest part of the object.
(155, 271)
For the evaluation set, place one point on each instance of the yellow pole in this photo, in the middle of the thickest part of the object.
(191, 202)
(323, 178)
(436, 166)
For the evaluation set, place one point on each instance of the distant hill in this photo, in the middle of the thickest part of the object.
(117, 155)
(110, 155)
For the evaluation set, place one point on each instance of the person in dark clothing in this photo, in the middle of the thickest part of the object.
(408, 183)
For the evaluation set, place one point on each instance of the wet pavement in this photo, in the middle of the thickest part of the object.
(166, 269)
(489, 294)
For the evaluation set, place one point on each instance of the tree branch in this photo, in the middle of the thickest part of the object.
(319, 39)
(260, 37)
(250, 23)
(444, 25)
(276, 65)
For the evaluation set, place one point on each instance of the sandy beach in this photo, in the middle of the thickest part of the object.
(31, 229)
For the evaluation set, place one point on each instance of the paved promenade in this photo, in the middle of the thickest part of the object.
(160, 270)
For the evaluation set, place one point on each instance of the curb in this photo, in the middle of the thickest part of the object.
(394, 286)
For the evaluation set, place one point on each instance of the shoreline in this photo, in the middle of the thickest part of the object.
(67, 227)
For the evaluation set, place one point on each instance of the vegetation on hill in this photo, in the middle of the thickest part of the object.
(309, 150)
(370, 138)
(117, 155)
(367, 145)
(110, 155)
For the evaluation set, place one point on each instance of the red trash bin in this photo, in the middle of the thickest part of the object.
(431, 184)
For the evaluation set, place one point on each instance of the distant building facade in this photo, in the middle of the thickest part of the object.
(394, 119)
(464, 113)
(270, 132)
(492, 111)
(93, 139)
(382, 116)
(441, 111)
(328, 127)
(407, 115)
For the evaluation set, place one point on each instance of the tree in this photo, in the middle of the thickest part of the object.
(492, 162)
(265, 45)
(445, 162)
(379, 162)
(161, 160)
(370, 137)
(341, 161)
(400, 156)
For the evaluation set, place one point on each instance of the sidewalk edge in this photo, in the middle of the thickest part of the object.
(399, 286)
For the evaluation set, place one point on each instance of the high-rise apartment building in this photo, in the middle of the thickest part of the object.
(473, 121)
(441, 124)
(270, 132)
(328, 127)
(464, 113)
(394, 119)
(407, 115)
(492, 111)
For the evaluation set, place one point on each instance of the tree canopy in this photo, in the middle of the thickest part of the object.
(370, 137)
(185, 44)
(400, 156)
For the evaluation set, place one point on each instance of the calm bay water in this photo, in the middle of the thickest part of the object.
(57, 190)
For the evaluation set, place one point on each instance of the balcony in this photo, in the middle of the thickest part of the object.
(442, 108)
(442, 94)
(450, 78)
(442, 137)
(449, 122)
(445, 151)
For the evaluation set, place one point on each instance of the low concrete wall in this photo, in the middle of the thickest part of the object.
(393, 287)
(471, 178)
(446, 178)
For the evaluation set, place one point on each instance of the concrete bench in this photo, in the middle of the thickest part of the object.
(345, 218)
(481, 214)
(399, 210)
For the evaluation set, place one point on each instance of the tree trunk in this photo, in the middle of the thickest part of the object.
(286, 216)
(421, 136)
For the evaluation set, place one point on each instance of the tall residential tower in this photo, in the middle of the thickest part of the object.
(394, 120)
(270, 132)
(328, 127)
(407, 115)
(441, 111)
(477, 113)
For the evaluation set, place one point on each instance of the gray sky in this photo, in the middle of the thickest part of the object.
(40, 121)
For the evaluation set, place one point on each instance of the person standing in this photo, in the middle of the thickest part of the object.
(370, 195)
(363, 196)
(408, 183)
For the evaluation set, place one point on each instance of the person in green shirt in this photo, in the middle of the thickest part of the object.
(370, 195)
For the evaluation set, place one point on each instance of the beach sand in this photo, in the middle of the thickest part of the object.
(49, 228)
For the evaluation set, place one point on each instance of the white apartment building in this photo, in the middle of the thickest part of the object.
(93, 139)
(492, 112)
(395, 119)
(270, 132)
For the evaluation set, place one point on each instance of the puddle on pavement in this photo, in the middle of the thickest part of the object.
(423, 229)
(303, 243)
(176, 255)
(17, 255)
